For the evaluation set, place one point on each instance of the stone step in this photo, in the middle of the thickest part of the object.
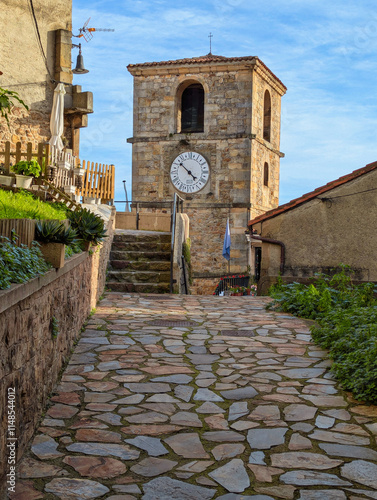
(141, 246)
(138, 256)
(142, 236)
(140, 265)
(138, 277)
(138, 287)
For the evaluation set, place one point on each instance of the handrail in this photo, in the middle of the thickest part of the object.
(178, 201)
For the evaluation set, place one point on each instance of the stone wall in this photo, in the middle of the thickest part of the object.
(30, 358)
(23, 67)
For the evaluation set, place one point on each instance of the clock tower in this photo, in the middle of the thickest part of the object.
(208, 128)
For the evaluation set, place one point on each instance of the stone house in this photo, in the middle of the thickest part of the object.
(36, 46)
(334, 224)
(208, 129)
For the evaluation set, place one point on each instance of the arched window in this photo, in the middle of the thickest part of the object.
(192, 108)
(265, 174)
(267, 117)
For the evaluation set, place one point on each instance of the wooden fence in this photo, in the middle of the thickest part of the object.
(98, 181)
(9, 157)
(20, 231)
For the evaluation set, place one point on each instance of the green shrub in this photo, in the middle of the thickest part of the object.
(346, 325)
(54, 232)
(89, 226)
(20, 264)
(25, 167)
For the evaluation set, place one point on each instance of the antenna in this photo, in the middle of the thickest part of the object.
(86, 32)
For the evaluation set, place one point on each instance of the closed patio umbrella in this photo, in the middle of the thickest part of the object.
(57, 117)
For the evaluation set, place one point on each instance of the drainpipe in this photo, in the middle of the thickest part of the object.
(273, 242)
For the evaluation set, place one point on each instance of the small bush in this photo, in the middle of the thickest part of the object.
(89, 226)
(346, 317)
(20, 264)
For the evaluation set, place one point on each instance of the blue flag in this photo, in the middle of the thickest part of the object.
(227, 242)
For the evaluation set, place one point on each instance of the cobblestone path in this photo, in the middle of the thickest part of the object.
(174, 397)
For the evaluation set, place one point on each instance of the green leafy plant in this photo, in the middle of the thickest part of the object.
(54, 232)
(25, 167)
(346, 324)
(54, 325)
(19, 264)
(7, 98)
(89, 226)
(72, 249)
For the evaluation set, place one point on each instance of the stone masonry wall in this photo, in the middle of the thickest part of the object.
(23, 67)
(30, 358)
(232, 143)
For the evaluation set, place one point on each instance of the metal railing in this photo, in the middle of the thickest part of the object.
(227, 282)
(177, 205)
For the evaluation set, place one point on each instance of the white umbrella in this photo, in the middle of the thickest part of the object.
(57, 117)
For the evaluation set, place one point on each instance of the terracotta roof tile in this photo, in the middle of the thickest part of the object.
(208, 58)
(313, 194)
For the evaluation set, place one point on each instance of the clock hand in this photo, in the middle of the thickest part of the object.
(188, 171)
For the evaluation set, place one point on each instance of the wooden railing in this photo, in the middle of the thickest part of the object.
(98, 180)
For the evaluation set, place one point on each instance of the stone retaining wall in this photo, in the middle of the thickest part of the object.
(30, 357)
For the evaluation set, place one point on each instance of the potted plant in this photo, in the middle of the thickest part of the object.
(89, 226)
(5, 179)
(53, 236)
(25, 172)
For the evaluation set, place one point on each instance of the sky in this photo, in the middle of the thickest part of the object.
(324, 52)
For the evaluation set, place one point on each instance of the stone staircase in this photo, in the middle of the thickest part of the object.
(139, 262)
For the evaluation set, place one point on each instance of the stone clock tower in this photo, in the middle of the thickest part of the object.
(208, 128)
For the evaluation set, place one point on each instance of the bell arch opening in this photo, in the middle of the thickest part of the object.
(190, 108)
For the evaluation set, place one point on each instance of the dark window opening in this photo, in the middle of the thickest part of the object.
(265, 174)
(267, 117)
(192, 109)
(257, 263)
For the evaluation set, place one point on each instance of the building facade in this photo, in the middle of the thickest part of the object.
(208, 128)
(36, 45)
(332, 225)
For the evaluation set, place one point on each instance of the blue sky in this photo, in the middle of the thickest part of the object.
(326, 54)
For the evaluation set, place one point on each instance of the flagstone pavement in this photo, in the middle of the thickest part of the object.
(199, 397)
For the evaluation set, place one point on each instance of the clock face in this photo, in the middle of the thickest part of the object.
(189, 172)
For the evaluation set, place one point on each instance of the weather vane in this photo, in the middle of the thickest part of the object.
(86, 32)
(210, 36)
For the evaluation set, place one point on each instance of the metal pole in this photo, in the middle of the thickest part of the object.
(125, 190)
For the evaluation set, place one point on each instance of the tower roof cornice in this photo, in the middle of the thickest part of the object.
(208, 62)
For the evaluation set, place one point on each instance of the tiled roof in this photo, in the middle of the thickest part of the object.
(313, 194)
(208, 58)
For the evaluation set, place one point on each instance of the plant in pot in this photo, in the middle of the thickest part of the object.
(5, 178)
(25, 171)
(89, 226)
(53, 236)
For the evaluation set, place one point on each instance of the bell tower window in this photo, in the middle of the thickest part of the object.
(267, 117)
(265, 174)
(192, 109)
